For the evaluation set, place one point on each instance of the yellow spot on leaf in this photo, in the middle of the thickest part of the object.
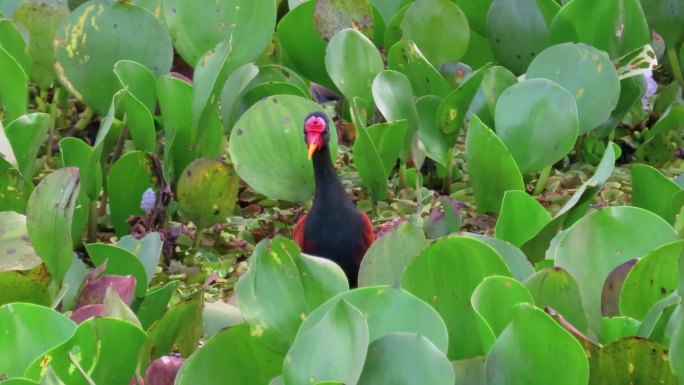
(257, 331)
(453, 113)
(630, 367)
(580, 92)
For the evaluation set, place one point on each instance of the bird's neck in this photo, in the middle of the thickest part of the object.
(329, 188)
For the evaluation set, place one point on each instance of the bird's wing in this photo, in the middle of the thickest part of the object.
(298, 232)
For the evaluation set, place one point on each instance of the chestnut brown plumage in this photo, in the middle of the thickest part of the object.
(334, 228)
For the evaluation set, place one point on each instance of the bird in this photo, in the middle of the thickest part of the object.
(334, 228)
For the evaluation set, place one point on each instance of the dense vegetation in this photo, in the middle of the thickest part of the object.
(520, 161)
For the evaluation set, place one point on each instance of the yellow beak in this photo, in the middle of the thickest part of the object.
(311, 149)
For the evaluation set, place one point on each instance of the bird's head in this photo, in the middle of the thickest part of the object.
(316, 134)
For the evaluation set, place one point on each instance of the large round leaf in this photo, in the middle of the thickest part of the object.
(333, 349)
(445, 276)
(232, 356)
(408, 359)
(537, 121)
(495, 299)
(521, 218)
(653, 191)
(535, 350)
(96, 36)
(27, 331)
(41, 18)
(518, 30)
(446, 39)
(601, 241)
(521, 268)
(207, 191)
(48, 218)
(387, 258)
(587, 74)
(491, 167)
(407, 58)
(635, 361)
(555, 288)
(16, 251)
(268, 150)
(128, 180)
(352, 61)
(380, 304)
(394, 98)
(616, 27)
(195, 29)
(653, 278)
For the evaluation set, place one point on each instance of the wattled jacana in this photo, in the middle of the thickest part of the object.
(334, 228)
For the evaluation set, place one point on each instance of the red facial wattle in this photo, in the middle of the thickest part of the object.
(314, 130)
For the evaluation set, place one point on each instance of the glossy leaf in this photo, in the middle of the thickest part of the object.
(492, 168)
(404, 358)
(98, 34)
(537, 121)
(436, 143)
(495, 299)
(234, 355)
(612, 287)
(26, 332)
(268, 151)
(602, 240)
(453, 111)
(664, 17)
(533, 337)
(587, 74)
(175, 104)
(652, 191)
(148, 249)
(13, 86)
(155, 304)
(445, 275)
(518, 30)
(139, 80)
(334, 348)
(16, 251)
(446, 20)
(27, 134)
(556, 288)
(614, 27)
(352, 61)
(385, 261)
(128, 179)
(653, 278)
(31, 286)
(393, 96)
(366, 156)
(48, 218)
(520, 219)
(387, 138)
(16, 191)
(635, 360)
(12, 39)
(119, 262)
(520, 267)
(407, 58)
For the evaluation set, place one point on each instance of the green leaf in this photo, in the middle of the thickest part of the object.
(13, 40)
(652, 191)
(445, 275)
(13, 86)
(436, 143)
(521, 268)
(521, 218)
(653, 278)
(73, 278)
(128, 179)
(119, 262)
(406, 57)
(332, 16)
(207, 191)
(140, 123)
(28, 133)
(16, 252)
(601, 241)
(353, 62)
(537, 121)
(41, 18)
(655, 322)
(48, 218)
(495, 299)
(403, 358)
(27, 331)
(19, 381)
(231, 356)
(219, 315)
(155, 304)
(334, 348)
(492, 168)
(378, 303)
(240, 80)
(533, 336)
(453, 111)
(387, 138)
(557, 289)
(273, 279)
(664, 16)
(197, 29)
(587, 73)
(148, 249)
(677, 339)
(394, 98)
(103, 345)
(302, 45)
(93, 38)
(637, 361)
(32, 286)
(385, 261)
(469, 371)
(366, 157)
(139, 80)
(268, 151)
(518, 30)
(614, 27)
(447, 37)
(175, 104)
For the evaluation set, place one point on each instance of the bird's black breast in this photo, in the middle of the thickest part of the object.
(337, 234)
